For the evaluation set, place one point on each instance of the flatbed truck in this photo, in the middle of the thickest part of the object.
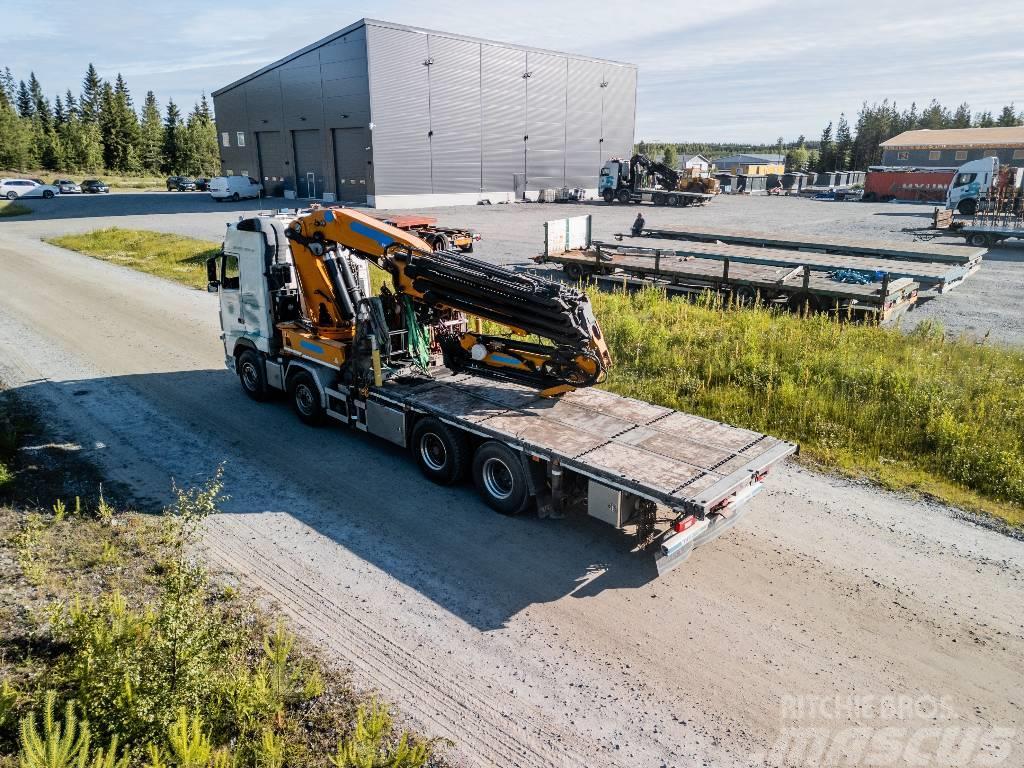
(674, 480)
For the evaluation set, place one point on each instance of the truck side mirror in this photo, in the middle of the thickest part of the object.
(212, 283)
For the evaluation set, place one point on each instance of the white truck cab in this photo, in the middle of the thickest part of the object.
(973, 181)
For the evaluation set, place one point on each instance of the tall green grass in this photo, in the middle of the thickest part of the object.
(12, 208)
(911, 410)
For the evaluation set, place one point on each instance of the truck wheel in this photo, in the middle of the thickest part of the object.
(440, 242)
(440, 451)
(979, 240)
(608, 195)
(968, 207)
(252, 375)
(658, 198)
(673, 200)
(305, 397)
(624, 196)
(499, 477)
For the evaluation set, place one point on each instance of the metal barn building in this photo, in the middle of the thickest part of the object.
(952, 147)
(396, 116)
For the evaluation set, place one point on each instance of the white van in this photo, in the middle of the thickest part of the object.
(234, 188)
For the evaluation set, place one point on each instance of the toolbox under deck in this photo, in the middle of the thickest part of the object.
(685, 462)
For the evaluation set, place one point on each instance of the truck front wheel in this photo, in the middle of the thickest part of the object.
(968, 206)
(305, 397)
(252, 375)
(500, 478)
(440, 451)
(608, 195)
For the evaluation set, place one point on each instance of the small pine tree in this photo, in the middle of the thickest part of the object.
(39, 101)
(26, 107)
(92, 91)
(151, 136)
(172, 138)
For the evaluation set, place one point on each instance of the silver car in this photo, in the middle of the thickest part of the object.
(67, 187)
(12, 189)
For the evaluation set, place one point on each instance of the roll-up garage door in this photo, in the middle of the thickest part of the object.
(271, 154)
(309, 173)
(352, 163)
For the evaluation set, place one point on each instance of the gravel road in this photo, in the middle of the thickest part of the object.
(833, 610)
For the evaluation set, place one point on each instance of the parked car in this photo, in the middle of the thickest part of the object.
(202, 184)
(234, 188)
(67, 187)
(180, 184)
(94, 186)
(12, 189)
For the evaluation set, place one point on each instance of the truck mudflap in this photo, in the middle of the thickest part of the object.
(689, 533)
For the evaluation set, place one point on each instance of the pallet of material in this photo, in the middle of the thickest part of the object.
(932, 276)
(798, 287)
(930, 252)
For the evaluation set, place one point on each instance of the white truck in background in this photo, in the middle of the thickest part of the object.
(978, 180)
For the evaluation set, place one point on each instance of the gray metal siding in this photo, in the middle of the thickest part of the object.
(545, 121)
(503, 95)
(455, 130)
(583, 123)
(618, 108)
(309, 168)
(272, 169)
(399, 104)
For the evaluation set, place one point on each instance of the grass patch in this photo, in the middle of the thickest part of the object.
(115, 638)
(913, 411)
(13, 208)
(174, 257)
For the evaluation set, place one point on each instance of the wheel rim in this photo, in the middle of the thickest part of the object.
(304, 400)
(250, 377)
(433, 452)
(498, 479)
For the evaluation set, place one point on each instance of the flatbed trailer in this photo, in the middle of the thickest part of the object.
(953, 254)
(669, 197)
(937, 277)
(986, 235)
(799, 288)
(440, 238)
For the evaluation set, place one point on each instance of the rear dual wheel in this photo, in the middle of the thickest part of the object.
(500, 478)
(441, 451)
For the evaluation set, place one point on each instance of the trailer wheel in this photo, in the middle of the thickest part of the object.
(573, 271)
(673, 200)
(305, 397)
(625, 196)
(499, 477)
(608, 195)
(441, 451)
(252, 375)
(979, 240)
(745, 295)
(440, 242)
(803, 303)
(658, 198)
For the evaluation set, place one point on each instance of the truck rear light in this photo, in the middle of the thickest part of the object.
(684, 524)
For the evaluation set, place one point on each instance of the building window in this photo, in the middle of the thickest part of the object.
(961, 154)
(933, 155)
(902, 155)
(240, 136)
(1018, 154)
(225, 139)
(991, 153)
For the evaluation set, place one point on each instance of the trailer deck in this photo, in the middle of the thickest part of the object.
(933, 276)
(953, 254)
(688, 464)
(884, 300)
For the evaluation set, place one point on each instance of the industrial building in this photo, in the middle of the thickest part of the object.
(952, 147)
(751, 164)
(395, 116)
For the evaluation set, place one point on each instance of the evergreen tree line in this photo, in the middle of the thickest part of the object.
(841, 148)
(100, 129)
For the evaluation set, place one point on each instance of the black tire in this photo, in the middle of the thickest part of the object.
(441, 242)
(802, 302)
(967, 207)
(869, 197)
(673, 200)
(979, 240)
(608, 195)
(573, 271)
(441, 451)
(745, 295)
(658, 198)
(305, 397)
(12, 195)
(235, 198)
(624, 196)
(252, 375)
(500, 478)
(47, 194)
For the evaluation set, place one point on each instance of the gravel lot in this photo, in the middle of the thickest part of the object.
(987, 305)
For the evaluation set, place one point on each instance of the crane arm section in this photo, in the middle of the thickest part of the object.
(449, 280)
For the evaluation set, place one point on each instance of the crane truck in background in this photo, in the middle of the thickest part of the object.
(641, 179)
(413, 366)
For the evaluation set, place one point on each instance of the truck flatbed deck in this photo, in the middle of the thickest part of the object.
(930, 252)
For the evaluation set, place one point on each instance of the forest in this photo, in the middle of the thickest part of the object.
(841, 145)
(101, 130)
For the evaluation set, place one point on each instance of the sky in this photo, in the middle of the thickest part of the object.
(732, 70)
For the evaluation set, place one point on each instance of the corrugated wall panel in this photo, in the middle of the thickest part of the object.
(309, 165)
(270, 149)
(545, 121)
(400, 111)
(618, 118)
(583, 153)
(455, 143)
(503, 96)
